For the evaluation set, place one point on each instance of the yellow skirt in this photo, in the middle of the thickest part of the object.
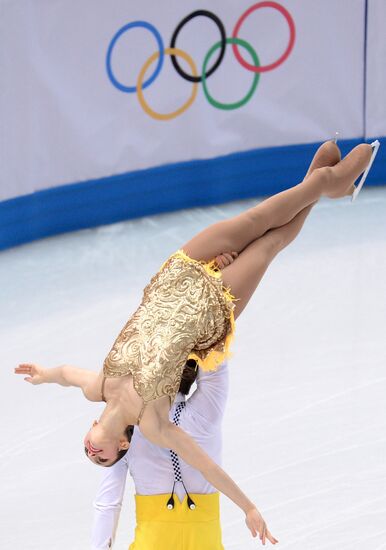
(179, 529)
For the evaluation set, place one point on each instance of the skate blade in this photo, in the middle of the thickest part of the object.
(375, 145)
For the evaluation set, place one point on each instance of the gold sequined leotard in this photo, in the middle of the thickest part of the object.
(185, 313)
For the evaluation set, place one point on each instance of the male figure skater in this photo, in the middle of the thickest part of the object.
(175, 506)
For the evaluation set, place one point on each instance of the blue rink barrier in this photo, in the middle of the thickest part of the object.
(254, 173)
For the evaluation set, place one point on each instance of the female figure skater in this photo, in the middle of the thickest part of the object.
(187, 311)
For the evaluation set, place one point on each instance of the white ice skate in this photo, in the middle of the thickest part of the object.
(375, 145)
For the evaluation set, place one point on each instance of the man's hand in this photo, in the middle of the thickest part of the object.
(35, 373)
(225, 259)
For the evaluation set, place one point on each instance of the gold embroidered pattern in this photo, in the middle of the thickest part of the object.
(185, 312)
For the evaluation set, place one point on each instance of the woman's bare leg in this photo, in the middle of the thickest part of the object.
(246, 272)
(244, 278)
(238, 232)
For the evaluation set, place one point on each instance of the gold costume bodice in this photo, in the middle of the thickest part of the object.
(185, 312)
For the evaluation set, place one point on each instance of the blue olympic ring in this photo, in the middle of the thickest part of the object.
(156, 34)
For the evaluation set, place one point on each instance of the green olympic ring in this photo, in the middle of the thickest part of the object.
(244, 100)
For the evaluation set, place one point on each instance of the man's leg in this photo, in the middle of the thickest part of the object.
(238, 232)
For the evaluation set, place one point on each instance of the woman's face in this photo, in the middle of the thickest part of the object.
(100, 449)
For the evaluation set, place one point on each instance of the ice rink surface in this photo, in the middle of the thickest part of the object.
(305, 427)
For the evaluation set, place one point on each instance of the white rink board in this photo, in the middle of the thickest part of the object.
(376, 69)
(64, 122)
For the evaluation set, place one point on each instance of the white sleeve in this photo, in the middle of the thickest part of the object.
(209, 399)
(107, 505)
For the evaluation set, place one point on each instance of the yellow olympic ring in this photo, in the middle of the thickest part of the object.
(185, 106)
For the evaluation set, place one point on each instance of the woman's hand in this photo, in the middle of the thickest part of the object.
(256, 524)
(64, 375)
(35, 373)
(226, 258)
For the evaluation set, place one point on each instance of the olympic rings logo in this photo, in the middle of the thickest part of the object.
(158, 57)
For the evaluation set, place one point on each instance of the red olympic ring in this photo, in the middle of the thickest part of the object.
(291, 25)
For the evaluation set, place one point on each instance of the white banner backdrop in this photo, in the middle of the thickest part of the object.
(376, 69)
(63, 121)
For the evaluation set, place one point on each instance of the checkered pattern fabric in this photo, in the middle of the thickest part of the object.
(174, 457)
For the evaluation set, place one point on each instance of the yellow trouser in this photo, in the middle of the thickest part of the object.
(179, 529)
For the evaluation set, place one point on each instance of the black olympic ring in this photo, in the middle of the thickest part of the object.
(173, 40)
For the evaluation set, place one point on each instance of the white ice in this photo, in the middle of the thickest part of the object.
(305, 428)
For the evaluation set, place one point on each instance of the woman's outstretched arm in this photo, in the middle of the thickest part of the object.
(65, 375)
(170, 436)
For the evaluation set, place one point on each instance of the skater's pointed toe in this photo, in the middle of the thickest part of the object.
(331, 149)
(345, 173)
(328, 154)
(366, 150)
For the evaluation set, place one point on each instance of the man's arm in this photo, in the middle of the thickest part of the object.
(209, 399)
(107, 505)
(64, 375)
